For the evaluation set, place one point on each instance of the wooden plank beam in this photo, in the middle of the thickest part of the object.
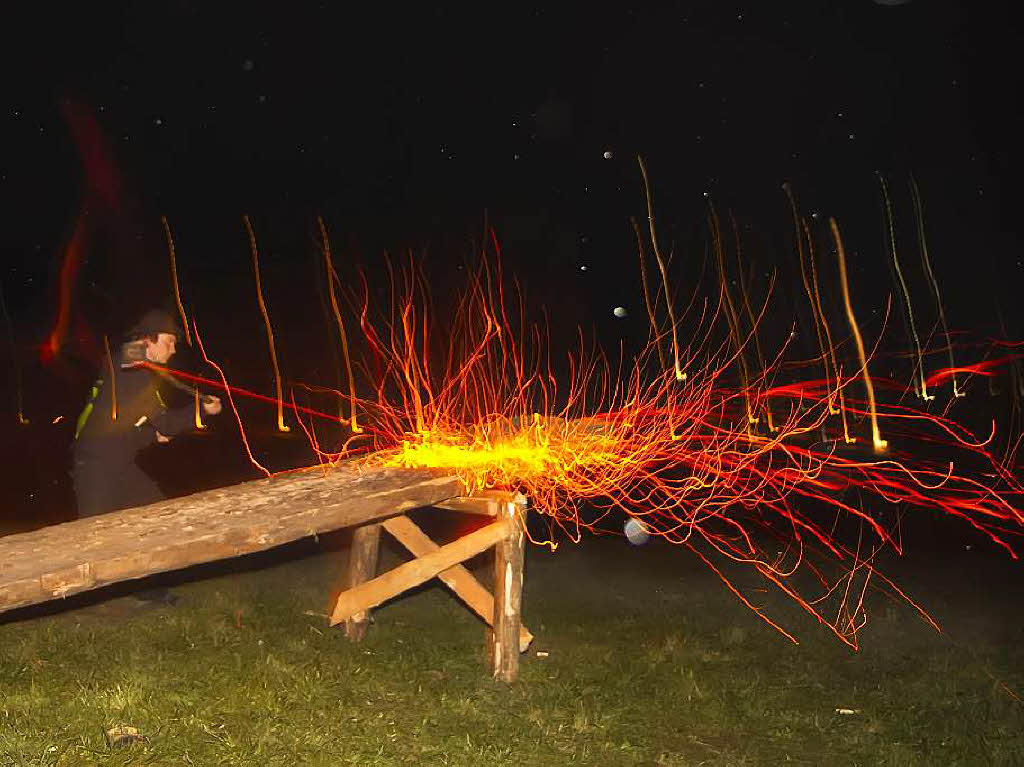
(457, 578)
(362, 566)
(77, 556)
(420, 570)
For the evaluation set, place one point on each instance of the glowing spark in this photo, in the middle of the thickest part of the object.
(680, 375)
(985, 368)
(332, 275)
(799, 232)
(237, 390)
(730, 311)
(479, 401)
(750, 315)
(919, 217)
(828, 335)
(266, 320)
(113, 380)
(674, 457)
(174, 279)
(652, 318)
(876, 437)
(231, 401)
(920, 386)
(198, 410)
(198, 417)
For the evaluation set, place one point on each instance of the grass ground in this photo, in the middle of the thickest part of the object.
(649, 661)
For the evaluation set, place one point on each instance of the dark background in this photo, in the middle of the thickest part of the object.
(404, 127)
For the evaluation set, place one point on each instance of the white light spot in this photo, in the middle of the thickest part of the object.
(636, 532)
(620, 311)
(607, 154)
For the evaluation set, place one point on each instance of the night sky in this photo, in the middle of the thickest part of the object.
(405, 126)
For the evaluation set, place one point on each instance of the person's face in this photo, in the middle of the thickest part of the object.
(161, 350)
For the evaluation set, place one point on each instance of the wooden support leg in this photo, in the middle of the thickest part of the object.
(508, 598)
(457, 578)
(420, 570)
(362, 566)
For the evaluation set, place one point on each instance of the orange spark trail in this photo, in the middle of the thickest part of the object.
(919, 217)
(198, 411)
(331, 277)
(113, 380)
(174, 279)
(266, 320)
(477, 398)
(920, 386)
(651, 314)
(680, 374)
(800, 231)
(730, 313)
(237, 390)
(876, 437)
(231, 401)
(676, 457)
(750, 316)
(828, 336)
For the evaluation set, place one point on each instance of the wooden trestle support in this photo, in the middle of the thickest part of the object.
(507, 638)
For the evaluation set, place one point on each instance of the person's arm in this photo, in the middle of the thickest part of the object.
(171, 422)
(167, 421)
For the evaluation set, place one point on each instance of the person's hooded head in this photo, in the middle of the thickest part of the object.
(157, 331)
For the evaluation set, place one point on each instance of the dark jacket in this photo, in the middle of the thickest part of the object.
(140, 413)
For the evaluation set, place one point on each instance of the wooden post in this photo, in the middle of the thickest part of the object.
(508, 596)
(362, 566)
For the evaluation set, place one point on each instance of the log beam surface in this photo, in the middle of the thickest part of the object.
(216, 524)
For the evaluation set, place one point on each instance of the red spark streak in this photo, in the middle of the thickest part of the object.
(985, 368)
(678, 455)
(481, 401)
(237, 390)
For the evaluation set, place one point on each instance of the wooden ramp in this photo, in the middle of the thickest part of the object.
(77, 556)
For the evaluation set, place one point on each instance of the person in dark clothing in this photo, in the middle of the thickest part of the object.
(125, 415)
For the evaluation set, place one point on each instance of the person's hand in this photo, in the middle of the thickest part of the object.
(163, 439)
(211, 405)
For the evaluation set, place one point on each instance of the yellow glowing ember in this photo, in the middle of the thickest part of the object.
(502, 455)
